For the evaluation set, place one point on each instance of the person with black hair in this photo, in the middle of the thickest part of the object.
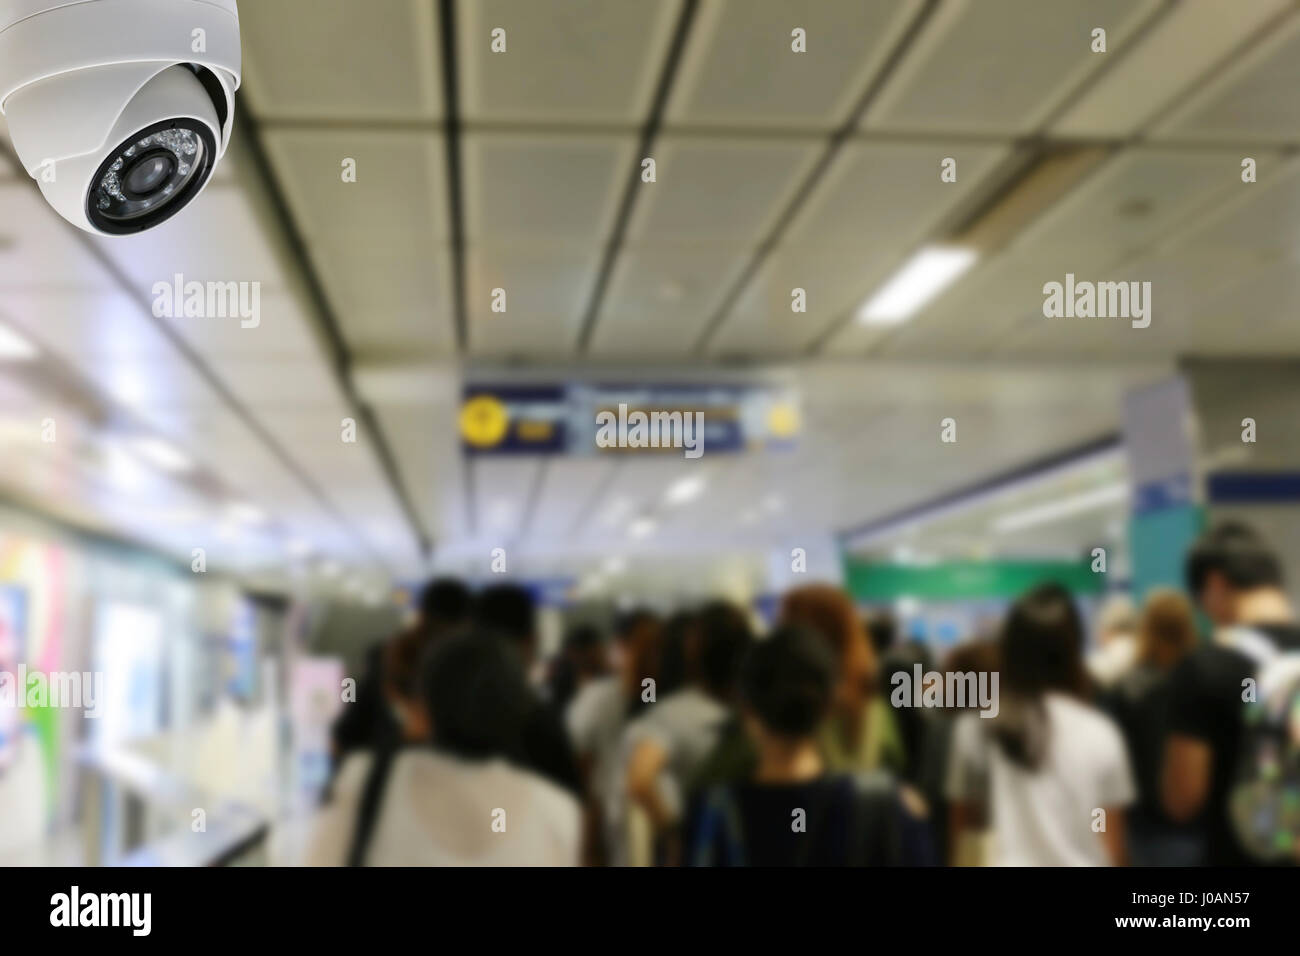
(583, 658)
(1236, 579)
(382, 715)
(1055, 768)
(913, 723)
(508, 610)
(792, 811)
(465, 798)
(882, 630)
(668, 744)
(445, 605)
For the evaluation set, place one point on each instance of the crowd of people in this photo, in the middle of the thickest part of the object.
(693, 739)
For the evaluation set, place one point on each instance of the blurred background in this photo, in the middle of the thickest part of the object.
(327, 459)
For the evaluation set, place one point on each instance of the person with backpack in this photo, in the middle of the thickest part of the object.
(792, 810)
(465, 798)
(672, 738)
(377, 719)
(1232, 758)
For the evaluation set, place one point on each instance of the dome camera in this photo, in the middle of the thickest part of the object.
(119, 109)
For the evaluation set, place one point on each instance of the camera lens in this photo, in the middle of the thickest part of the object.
(151, 176)
(147, 174)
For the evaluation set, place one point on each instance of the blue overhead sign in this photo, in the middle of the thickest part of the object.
(587, 419)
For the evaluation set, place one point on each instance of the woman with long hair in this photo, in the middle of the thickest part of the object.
(860, 732)
(1057, 772)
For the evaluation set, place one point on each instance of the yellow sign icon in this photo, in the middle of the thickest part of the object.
(484, 421)
(783, 421)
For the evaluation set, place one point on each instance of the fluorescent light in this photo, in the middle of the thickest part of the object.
(161, 454)
(642, 528)
(14, 347)
(685, 489)
(921, 278)
(889, 529)
(1065, 508)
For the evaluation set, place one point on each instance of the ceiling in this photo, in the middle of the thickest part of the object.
(521, 171)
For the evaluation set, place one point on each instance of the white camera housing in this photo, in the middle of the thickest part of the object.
(119, 109)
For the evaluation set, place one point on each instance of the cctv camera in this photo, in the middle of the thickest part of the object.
(119, 109)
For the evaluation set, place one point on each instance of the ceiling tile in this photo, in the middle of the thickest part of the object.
(398, 199)
(1000, 66)
(535, 187)
(547, 286)
(1253, 99)
(582, 60)
(661, 294)
(739, 68)
(390, 301)
(1190, 42)
(339, 59)
(719, 189)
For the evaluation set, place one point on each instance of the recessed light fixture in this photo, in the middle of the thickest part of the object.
(685, 489)
(162, 455)
(922, 277)
(14, 347)
(642, 528)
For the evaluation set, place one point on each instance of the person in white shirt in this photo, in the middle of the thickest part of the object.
(464, 801)
(1117, 643)
(1058, 777)
(666, 746)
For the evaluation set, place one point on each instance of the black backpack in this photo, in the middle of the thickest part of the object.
(875, 831)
